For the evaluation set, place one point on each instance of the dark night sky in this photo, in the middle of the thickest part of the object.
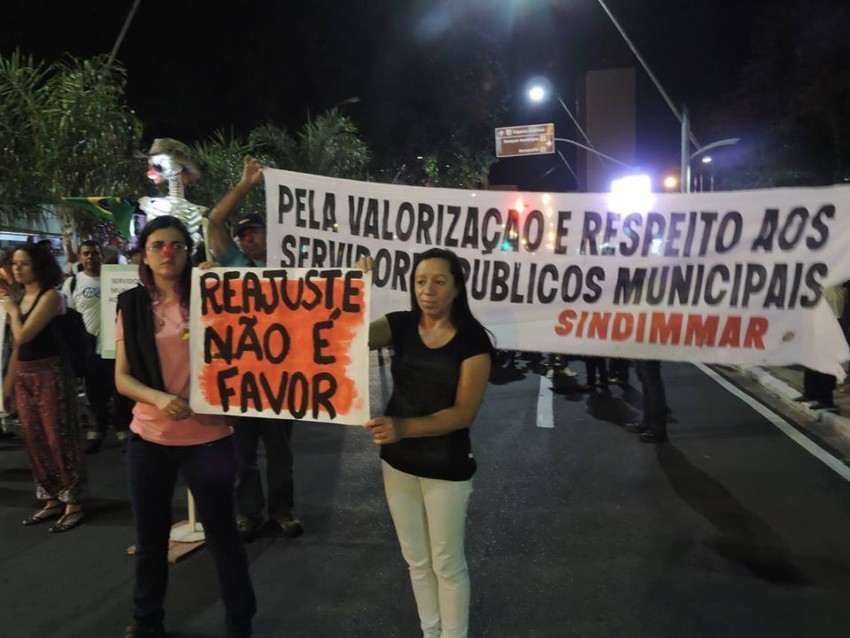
(202, 66)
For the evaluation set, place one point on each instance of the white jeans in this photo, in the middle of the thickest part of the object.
(429, 517)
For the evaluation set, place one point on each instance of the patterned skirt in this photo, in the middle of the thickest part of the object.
(49, 427)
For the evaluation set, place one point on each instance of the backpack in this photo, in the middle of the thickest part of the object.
(74, 341)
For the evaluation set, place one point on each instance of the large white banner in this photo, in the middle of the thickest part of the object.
(726, 277)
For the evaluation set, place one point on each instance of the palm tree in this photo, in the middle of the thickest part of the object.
(65, 131)
(91, 134)
(220, 161)
(328, 144)
(22, 97)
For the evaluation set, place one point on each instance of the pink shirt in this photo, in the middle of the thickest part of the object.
(172, 346)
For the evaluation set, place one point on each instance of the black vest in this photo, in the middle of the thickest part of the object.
(139, 342)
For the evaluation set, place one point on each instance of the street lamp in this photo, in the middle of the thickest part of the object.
(539, 89)
(348, 100)
(671, 183)
(590, 149)
(686, 172)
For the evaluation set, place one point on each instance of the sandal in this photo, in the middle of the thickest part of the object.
(68, 522)
(44, 514)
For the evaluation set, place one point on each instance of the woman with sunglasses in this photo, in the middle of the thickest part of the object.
(152, 368)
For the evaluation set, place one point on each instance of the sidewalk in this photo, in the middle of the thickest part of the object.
(786, 383)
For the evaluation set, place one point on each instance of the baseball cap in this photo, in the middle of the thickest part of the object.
(249, 222)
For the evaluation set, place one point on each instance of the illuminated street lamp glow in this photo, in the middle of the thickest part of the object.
(671, 182)
(631, 194)
(706, 159)
(536, 93)
(632, 185)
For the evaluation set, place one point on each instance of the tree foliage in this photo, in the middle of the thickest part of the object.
(22, 96)
(65, 131)
(795, 96)
(220, 160)
(328, 144)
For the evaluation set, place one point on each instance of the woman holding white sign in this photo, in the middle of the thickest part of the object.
(441, 363)
(152, 368)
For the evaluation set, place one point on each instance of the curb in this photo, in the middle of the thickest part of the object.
(787, 393)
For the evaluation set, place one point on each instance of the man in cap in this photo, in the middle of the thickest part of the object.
(250, 233)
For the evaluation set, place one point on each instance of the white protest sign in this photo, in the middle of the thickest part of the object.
(113, 281)
(281, 343)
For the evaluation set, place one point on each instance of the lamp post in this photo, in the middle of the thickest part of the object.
(123, 32)
(537, 92)
(686, 173)
(590, 149)
(349, 100)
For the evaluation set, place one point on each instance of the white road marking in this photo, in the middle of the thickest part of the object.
(790, 431)
(545, 396)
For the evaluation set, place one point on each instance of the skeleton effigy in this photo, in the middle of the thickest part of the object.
(170, 160)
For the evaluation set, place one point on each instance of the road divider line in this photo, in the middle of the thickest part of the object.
(545, 396)
(789, 430)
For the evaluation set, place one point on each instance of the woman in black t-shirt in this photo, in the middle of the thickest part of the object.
(441, 363)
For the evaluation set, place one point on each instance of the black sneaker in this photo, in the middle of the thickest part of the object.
(653, 437)
(248, 528)
(636, 427)
(823, 405)
(93, 445)
(288, 526)
(137, 630)
(238, 631)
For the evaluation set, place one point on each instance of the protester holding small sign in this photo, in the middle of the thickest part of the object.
(441, 362)
(43, 390)
(152, 368)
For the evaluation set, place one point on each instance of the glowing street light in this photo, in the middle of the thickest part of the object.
(539, 89)
(631, 194)
(671, 183)
(348, 100)
(536, 93)
(706, 159)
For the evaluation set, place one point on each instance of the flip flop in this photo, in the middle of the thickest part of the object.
(44, 514)
(68, 522)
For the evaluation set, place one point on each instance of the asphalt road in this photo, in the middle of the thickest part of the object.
(578, 529)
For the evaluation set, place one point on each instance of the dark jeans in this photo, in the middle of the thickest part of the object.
(210, 472)
(818, 386)
(654, 399)
(619, 368)
(596, 368)
(100, 383)
(275, 434)
(100, 388)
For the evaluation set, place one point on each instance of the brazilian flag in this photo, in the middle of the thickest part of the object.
(118, 210)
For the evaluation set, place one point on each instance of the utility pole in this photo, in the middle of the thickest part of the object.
(123, 32)
(685, 178)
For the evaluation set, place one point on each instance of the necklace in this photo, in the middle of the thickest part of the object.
(161, 318)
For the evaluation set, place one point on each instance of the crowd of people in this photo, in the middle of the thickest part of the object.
(441, 363)
(426, 453)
